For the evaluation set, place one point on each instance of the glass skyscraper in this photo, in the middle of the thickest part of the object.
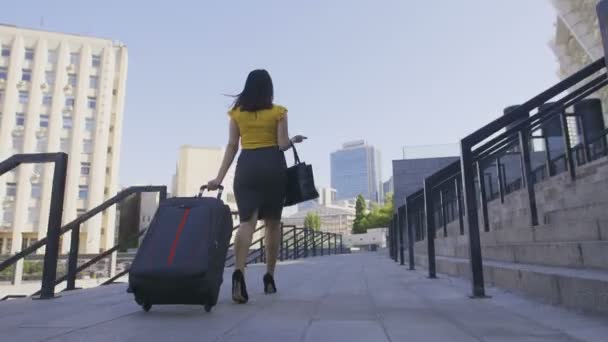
(356, 170)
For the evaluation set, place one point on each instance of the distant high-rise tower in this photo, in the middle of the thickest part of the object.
(60, 93)
(356, 170)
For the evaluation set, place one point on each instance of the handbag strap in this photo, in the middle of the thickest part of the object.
(296, 158)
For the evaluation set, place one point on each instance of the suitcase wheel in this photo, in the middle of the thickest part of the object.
(208, 307)
(146, 306)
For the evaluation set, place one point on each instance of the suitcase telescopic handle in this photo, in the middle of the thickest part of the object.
(219, 191)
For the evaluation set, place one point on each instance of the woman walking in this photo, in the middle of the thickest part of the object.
(260, 179)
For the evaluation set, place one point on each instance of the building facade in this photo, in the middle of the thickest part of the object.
(198, 165)
(408, 175)
(356, 170)
(333, 219)
(59, 93)
(577, 41)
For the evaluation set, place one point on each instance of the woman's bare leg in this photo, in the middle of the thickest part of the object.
(272, 241)
(242, 242)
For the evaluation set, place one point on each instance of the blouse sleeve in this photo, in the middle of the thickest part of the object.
(232, 114)
(281, 111)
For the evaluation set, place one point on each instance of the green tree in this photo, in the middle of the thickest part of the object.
(378, 217)
(360, 222)
(312, 221)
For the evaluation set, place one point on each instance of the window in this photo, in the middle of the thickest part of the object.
(52, 56)
(89, 124)
(29, 54)
(44, 120)
(18, 144)
(87, 146)
(32, 214)
(26, 75)
(93, 82)
(64, 145)
(24, 97)
(109, 149)
(36, 190)
(72, 80)
(96, 61)
(8, 217)
(80, 212)
(3, 73)
(11, 189)
(85, 169)
(41, 144)
(6, 51)
(74, 58)
(67, 122)
(92, 102)
(70, 101)
(49, 77)
(20, 119)
(38, 169)
(47, 100)
(83, 191)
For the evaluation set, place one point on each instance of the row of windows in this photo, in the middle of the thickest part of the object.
(36, 190)
(49, 77)
(41, 145)
(52, 56)
(47, 100)
(89, 123)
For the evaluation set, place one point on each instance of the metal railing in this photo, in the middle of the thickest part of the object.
(49, 270)
(501, 158)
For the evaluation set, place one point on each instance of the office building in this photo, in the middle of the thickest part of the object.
(60, 92)
(198, 165)
(577, 41)
(356, 170)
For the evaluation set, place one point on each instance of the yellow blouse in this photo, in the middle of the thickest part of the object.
(258, 129)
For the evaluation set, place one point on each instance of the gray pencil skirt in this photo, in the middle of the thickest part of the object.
(260, 183)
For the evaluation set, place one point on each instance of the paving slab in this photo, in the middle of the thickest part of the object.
(356, 298)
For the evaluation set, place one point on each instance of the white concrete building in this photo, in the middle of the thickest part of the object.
(577, 40)
(59, 92)
(375, 236)
(334, 219)
(198, 165)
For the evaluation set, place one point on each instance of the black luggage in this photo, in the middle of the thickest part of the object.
(181, 258)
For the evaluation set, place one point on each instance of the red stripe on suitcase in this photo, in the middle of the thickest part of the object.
(179, 232)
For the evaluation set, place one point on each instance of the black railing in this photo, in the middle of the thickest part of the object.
(49, 270)
(501, 158)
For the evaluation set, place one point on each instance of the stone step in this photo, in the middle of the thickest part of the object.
(576, 254)
(579, 289)
(589, 212)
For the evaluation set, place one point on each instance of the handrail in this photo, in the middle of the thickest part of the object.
(60, 159)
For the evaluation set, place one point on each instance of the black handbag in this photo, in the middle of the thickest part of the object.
(300, 182)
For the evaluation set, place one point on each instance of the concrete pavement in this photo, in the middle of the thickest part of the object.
(358, 297)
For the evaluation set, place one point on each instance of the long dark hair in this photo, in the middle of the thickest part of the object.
(258, 93)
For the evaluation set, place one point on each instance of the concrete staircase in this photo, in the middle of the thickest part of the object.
(562, 261)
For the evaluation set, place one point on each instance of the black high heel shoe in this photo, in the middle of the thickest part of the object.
(269, 285)
(239, 288)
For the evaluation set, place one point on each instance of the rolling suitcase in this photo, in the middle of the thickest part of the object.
(181, 258)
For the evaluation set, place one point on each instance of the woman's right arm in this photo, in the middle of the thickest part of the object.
(285, 143)
(231, 150)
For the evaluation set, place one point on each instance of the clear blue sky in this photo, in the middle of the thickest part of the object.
(392, 72)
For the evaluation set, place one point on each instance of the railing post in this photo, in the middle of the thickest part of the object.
(468, 185)
(262, 250)
(444, 221)
(549, 166)
(314, 243)
(482, 196)
(306, 242)
(282, 245)
(295, 242)
(524, 145)
(328, 243)
(430, 227)
(335, 243)
(322, 241)
(410, 237)
(73, 258)
(568, 146)
(457, 184)
(341, 245)
(49, 272)
(162, 194)
(501, 184)
(400, 225)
